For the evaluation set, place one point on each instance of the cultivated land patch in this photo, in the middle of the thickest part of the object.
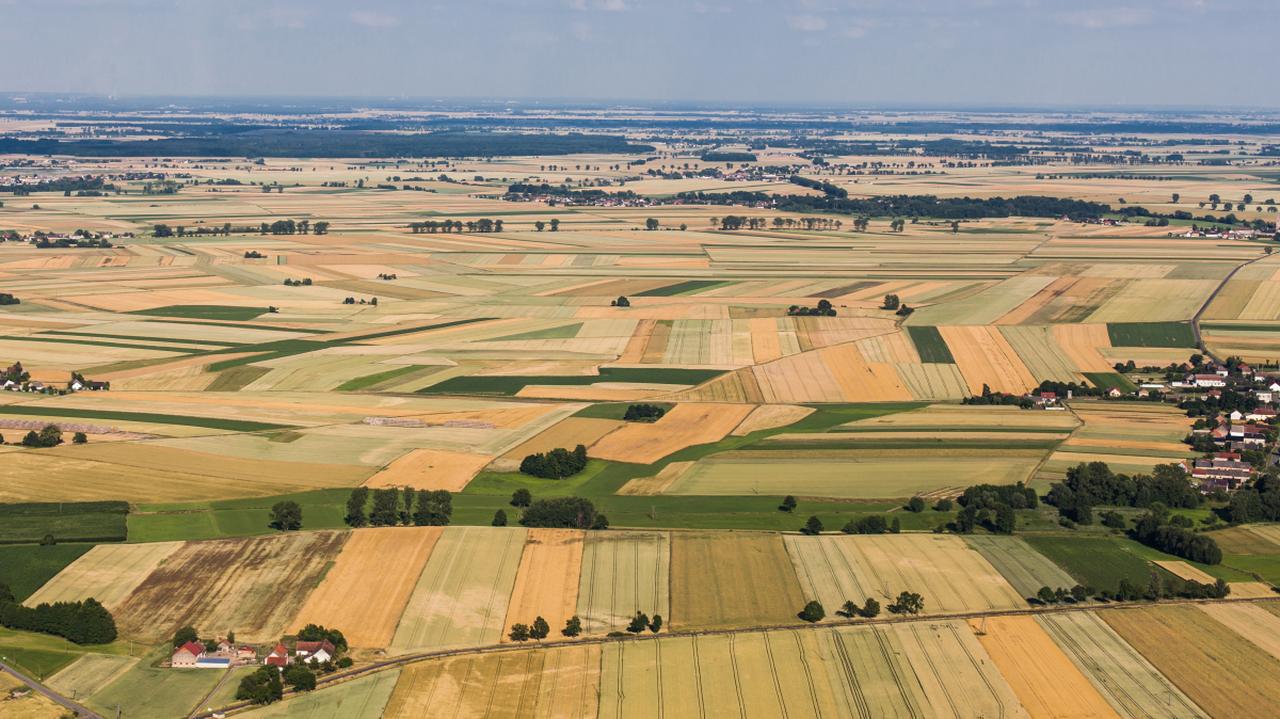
(89, 674)
(731, 580)
(461, 598)
(365, 591)
(148, 691)
(108, 573)
(557, 683)
(950, 575)
(1099, 562)
(1217, 669)
(547, 582)
(363, 698)
(431, 469)
(771, 416)
(1250, 621)
(1123, 677)
(623, 572)
(1025, 569)
(685, 425)
(24, 568)
(249, 586)
(1045, 680)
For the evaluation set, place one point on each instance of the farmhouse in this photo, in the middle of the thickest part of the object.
(1206, 380)
(314, 652)
(279, 656)
(186, 656)
(1222, 471)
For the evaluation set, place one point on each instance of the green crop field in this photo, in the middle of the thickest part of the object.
(1151, 334)
(53, 412)
(205, 312)
(65, 521)
(26, 567)
(1099, 562)
(930, 345)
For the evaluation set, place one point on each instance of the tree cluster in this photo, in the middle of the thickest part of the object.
(872, 524)
(643, 413)
(1155, 529)
(431, 227)
(824, 309)
(420, 507)
(564, 513)
(86, 622)
(1258, 502)
(555, 464)
(869, 610)
(49, 436)
(1089, 485)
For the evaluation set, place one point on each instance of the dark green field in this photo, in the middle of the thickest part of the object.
(67, 522)
(205, 312)
(1107, 380)
(682, 288)
(615, 410)
(930, 345)
(26, 567)
(1099, 562)
(1151, 334)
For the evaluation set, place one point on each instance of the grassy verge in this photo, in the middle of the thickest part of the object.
(28, 523)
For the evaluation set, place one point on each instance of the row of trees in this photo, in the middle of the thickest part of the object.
(555, 464)
(907, 603)
(564, 513)
(431, 227)
(823, 309)
(408, 506)
(278, 227)
(86, 622)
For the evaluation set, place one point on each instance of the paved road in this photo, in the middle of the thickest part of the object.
(37, 686)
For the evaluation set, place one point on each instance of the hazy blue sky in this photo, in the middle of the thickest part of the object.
(1026, 52)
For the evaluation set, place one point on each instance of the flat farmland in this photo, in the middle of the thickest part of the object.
(848, 475)
(622, 573)
(89, 674)
(685, 425)
(1217, 669)
(431, 469)
(985, 357)
(366, 590)
(556, 683)
(950, 575)
(730, 580)
(362, 698)
(108, 573)
(1025, 569)
(250, 586)
(920, 669)
(547, 581)
(1259, 626)
(1123, 677)
(1044, 679)
(461, 597)
(769, 674)
(149, 691)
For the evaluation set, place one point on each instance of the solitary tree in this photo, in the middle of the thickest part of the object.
(519, 633)
(788, 504)
(870, 609)
(916, 504)
(655, 624)
(521, 498)
(651, 224)
(286, 515)
(540, 629)
(572, 627)
(813, 526)
(499, 518)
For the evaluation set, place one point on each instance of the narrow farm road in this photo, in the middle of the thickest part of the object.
(1195, 319)
(42, 689)
(803, 626)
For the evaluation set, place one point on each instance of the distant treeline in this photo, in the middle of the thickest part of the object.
(86, 622)
(331, 143)
(826, 188)
(584, 195)
(88, 183)
(950, 208)
(727, 156)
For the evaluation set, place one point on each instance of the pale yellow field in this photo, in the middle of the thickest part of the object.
(108, 573)
(547, 581)
(985, 358)
(431, 469)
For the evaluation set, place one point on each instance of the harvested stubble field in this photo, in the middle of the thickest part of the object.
(108, 573)
(249, 586)
(1045, 680)
(622, 573)
(431, 469)
(556, 683)
(1123, 677)
(365, 591)
(731, 580)
(685, 425)
(547, 581)
(1251, 621)
(1217, 669)
(461, 597)
(950, 575)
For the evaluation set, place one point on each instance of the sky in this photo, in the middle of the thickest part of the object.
(856, 53)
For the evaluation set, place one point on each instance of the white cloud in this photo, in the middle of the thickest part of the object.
(371, 18)
(605, 5)
(807, 23)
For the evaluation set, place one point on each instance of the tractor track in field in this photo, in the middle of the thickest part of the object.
(407, 659)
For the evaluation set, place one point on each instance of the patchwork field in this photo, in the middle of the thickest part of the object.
(731, 580)
(622, 573)
(950, 575)
(461, 597)
(362, 698)
(547, 581)
(1023, 567)
(108, 573)
(560, 683)
(1217, 669)
(687, 424)
(365, 591)
(249, 586)
(89, 674)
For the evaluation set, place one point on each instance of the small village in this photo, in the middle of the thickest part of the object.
(15, 378)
